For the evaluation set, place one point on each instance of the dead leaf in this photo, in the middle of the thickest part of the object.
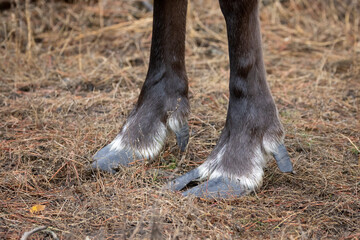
(37, 208)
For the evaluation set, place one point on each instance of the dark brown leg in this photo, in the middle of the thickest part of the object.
(163, 101)
(252, 130)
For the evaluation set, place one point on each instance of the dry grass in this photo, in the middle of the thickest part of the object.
(71, 72)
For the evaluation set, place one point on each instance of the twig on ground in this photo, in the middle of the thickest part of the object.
(38, 229)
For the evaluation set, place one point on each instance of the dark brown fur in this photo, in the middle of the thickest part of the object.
(252, 129)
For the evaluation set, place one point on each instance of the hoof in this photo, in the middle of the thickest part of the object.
(220, 185)
(108, 160)
(182, 137)
(217, 188)
(283, 160)
(181, 182)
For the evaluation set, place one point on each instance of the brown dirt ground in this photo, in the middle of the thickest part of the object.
(70, 72)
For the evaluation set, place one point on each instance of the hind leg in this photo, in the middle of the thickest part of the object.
(252, 130)
(163, 101)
